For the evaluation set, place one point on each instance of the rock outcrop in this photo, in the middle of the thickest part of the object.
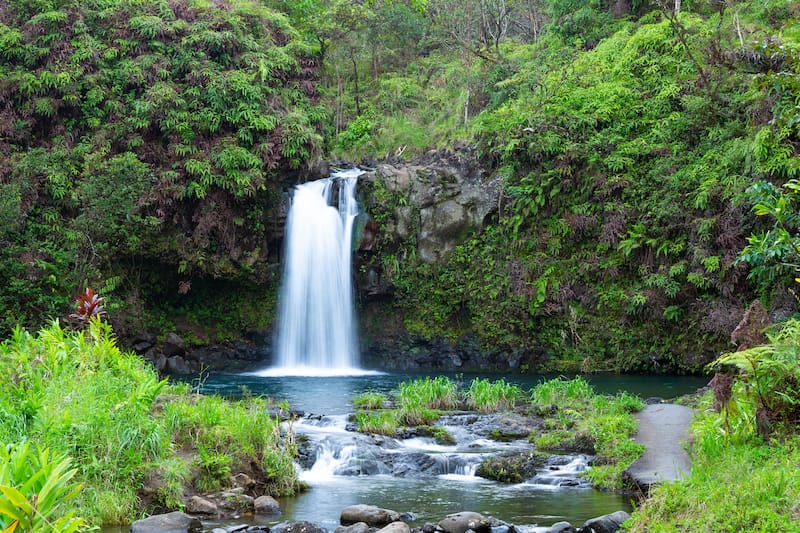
(439, 201)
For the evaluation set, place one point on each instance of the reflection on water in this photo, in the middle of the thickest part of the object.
(333, 394)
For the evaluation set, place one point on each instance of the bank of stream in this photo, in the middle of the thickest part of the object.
(416, 475)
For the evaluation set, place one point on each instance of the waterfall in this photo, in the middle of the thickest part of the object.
(316, 321)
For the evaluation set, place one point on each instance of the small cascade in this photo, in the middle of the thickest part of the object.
(316, 322)
(563, 471)
(330, 461)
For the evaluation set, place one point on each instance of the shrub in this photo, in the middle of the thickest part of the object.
(35, 488)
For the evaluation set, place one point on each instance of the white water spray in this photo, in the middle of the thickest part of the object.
(316, 322)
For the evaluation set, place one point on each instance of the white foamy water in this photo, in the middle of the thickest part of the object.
(316, 320)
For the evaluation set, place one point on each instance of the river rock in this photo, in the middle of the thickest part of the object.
(199, 505)
(174, 345)
(175, 522)
(177, 365)
(512, 467)
(562, 527)
(395, 527)
(302, 526)
(414, 465)
(266, 505)
(359, 527)
(242, 480)
(609, 523)
(461, 522)
(369, 514)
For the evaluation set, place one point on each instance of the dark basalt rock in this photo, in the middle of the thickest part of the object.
(609, 523)
(511, 467)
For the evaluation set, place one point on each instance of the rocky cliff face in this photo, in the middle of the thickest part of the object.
(417, 213)
(438, 204)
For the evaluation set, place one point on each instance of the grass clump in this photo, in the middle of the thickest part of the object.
(378, 422)
(489, 397)
(132, 438)
(370, 400)
(431, 393)
(579, 420)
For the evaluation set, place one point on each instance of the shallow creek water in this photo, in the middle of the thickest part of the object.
(418, 476)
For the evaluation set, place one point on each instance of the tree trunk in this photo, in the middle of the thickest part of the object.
(355, 81)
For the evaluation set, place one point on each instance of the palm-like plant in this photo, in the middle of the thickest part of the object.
(770, 378)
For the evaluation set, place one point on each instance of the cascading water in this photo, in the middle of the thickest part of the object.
(316, 326)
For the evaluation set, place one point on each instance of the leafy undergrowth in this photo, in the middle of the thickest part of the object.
(134, 440)
(578, 419)
(742, 487)
(746, 451)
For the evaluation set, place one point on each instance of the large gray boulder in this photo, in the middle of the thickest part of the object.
(461, 522)
(266, 505)
(609, 523)
(395, 527)
(200, 505)
(371, 515)
(360, 527)
(176, 522)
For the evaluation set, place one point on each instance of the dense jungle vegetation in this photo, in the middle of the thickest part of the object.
(146, 147)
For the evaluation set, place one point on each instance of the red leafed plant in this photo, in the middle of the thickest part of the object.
(87, 306)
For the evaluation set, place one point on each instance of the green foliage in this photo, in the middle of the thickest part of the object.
(582, 420)
(370, 400)
(377, 422)
(562, 392)
(491, 397)
(35, 490)
(431, 393)
(772, 255)
(768, 398)
(625, 149)
(76, 394)
(140, 133)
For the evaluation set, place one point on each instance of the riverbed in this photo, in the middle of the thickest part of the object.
(325, 402)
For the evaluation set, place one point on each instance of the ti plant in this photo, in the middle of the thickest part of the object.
(89, 305)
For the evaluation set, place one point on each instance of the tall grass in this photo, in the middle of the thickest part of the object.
(579, 417)
(77, 394)
(488, 397)
(432, 393)
(370, 400)
(562, 391)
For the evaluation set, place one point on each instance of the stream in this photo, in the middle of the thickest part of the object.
(416, 475)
